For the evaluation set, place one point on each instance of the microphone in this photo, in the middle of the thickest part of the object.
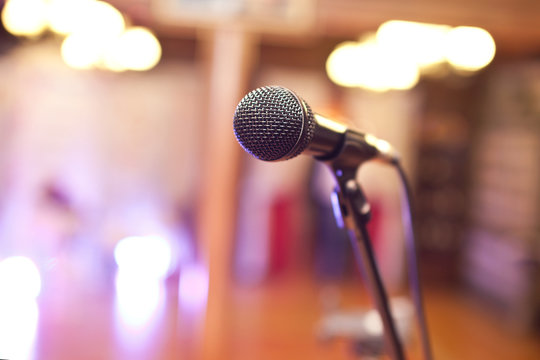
(273, 123)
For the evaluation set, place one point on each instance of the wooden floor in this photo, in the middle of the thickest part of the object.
(276, 320)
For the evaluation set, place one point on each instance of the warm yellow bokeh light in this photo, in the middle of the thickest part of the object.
(400, 75)
(340, 62)
(91, 16)
(65, 16)
(368, 66)
(136, 49)
(469, 48)
(96, 35)
(105, 20)
(102, 19)
(81, 51)
(111, 60)
(420, 42)
(401, 50)
(93, 32)
(369, 72)
(25, 17)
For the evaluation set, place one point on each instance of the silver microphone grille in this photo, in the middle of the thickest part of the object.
(273, 123)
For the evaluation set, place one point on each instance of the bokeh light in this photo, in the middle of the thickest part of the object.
(470, 48)
(147, 257)
(341, 61)
(143, 264)
(20, 285)
(87, 42)
(18, 327)
(89, 16)
(138, 301)
(400, 51)
(19, 278)
(101, 19)
(95, 33)
(419, 42)
(25, 17)
(366, 65)
(81, 50)
(65, 16)
(136, 49)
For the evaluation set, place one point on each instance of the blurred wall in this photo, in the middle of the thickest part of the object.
(93, 155)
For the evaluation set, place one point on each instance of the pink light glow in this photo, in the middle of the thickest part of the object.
(138, 301)
(193, 286)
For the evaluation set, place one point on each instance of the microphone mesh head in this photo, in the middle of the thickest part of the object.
(273, 123)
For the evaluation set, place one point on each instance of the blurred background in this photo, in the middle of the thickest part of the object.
(133, 225)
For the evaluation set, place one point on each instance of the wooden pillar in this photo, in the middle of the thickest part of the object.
(228, 55)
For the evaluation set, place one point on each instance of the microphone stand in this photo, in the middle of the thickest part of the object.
(352, 211)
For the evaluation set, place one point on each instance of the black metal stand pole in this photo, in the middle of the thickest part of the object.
(355, 213)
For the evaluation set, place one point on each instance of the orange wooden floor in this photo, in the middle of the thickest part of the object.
(276, 320)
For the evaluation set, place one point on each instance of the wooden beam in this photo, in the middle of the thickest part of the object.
(228, 63)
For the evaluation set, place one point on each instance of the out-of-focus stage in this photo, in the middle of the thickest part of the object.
(131, 319)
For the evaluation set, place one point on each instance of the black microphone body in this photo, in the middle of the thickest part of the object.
(273, 123)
